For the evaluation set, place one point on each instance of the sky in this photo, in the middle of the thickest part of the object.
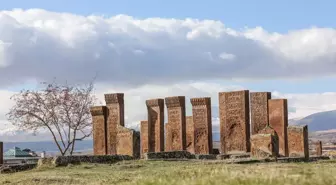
(153, 49)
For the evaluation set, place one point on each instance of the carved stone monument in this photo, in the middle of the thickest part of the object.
(259, 110)
(264, 145)
(99, 130)
(144, 137)
(201, 110)
(115, 117)
(298, 145)
(234, 121)
(155, 108)
(128, 142)
(176, 126)
(1, 153)
(278, 120)
(190, 134)
(318, 148)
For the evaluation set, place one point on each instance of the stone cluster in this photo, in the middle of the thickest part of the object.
(252, 124)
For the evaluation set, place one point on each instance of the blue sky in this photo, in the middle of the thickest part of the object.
(278, 16)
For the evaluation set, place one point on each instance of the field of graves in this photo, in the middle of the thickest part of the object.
(179, 172)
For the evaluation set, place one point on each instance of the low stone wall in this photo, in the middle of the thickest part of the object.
(16, 168)
(65, 160)
(169, 155)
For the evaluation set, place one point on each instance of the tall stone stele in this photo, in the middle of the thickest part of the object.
(176, 126)
(155, 109)
(190, 139)
(144, 139)
(1, 153)
(115, 117)
(201, 110)
(99, 130)
(259, 110)
(234, 121)
(318, 148)
(278, 120)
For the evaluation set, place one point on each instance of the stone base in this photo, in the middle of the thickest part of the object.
(223, 156)
(168, 155)
(239, 156)
(206, 156)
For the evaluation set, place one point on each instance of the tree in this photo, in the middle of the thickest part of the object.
(63, 110)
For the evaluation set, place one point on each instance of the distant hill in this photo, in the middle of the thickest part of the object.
(317, 122)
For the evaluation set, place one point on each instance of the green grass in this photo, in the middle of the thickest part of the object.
(173, 172)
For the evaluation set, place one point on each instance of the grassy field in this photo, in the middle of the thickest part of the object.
(173, 172)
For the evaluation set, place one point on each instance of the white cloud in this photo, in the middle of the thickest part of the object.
(132, 52)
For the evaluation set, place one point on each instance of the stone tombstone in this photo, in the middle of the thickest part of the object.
(99, 130)
(1, 153)
(278, 120)
(144, 137)
(259, 110)
(155, 108)
(128, 142)
(201, 110)
(115, 117)
(190, 134)
(264, 145)
(234, 121)
(176, 126)
(318, 148)
(298, 145)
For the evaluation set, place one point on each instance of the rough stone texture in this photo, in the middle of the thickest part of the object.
(298, 145)
(223, 156)
(1, 153)
(102, 159)
(16, 168)
(128, 142)
(264, 145)
(234, 121)
(144, 137)
(278, 120)
(205, 156)
(176, 126)
(155, 109)
(115, 116)
(318, 148)
(259, 110)
(201, 110)
(240, 155)
(99, 130)
(190, 134)
(169, 155)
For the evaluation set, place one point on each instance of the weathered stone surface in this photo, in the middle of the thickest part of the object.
(234, 121)
(201, 110)
(176, 126)
(223, 156)
(278, 120)
(264, 145)
(318, 148)
(155, 109)
(102, 159)
(1, 153)
(99, 130)
(128, 142)
(144, 137)
(205, 156)
(169, 155)
(298, 145)
(190, 134)
(16, 168)
(115, 116)
(259, 110)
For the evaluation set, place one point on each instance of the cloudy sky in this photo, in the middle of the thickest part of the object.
(150, 49)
